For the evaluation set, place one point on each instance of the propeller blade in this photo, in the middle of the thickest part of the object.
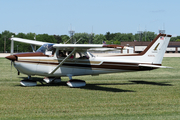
(11, 69)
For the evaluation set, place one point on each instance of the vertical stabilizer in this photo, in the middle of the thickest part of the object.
(155, 51)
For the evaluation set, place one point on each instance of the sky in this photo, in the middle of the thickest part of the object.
(57, 17)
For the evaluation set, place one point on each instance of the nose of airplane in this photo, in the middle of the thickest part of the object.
(11, 57)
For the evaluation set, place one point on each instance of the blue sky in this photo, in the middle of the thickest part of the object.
(100, 16)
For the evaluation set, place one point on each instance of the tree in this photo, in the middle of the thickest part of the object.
(173, 39)
(178, 40)
(30, 36)
(98, 39)
(22, 47)
(85, 37)
(46, 38)
(5, 43)
(150, 35)
(1, 43)
(117, 42)
(118, 37)
(21, 35)
(58, 38)
(65, 38)
(146, 36)
(110, 36)
(130, 36)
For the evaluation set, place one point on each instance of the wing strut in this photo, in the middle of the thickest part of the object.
(78, 40)
(32, 48)
(62, 61)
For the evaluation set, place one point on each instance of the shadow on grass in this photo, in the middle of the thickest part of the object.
(99, 86)
(87, 87)
(107, 89)
(152, 83)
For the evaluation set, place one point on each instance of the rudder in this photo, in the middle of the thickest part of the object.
(155, 51)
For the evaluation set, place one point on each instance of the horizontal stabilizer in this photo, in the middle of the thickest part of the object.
(153, 66)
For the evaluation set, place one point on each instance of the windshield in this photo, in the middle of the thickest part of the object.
(45, 47)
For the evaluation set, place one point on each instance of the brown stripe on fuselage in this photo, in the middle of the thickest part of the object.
(31, 54)
(104, 65)
(60, 60)
(125, 63)
(38, 62)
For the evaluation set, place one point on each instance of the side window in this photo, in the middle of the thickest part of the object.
(72, 56)
(61, 54)
(82, 55)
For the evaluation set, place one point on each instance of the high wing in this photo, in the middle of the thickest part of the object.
(79, 47)
(70, 47)
(33, 42)
(90, 47)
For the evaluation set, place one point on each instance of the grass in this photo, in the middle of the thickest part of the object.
(136, 95)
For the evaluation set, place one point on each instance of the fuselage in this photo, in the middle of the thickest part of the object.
(40, 64)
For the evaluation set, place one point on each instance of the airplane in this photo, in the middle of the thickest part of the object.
(52, 61)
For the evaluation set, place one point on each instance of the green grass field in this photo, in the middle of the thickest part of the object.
(136, 95)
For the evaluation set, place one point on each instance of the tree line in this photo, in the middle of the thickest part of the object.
(79, 38)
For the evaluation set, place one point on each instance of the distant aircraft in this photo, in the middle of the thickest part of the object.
(52, 61)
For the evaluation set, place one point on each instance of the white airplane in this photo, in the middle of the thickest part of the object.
(53, 62)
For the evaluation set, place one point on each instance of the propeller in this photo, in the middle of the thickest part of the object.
(12, 58)
(11, 69)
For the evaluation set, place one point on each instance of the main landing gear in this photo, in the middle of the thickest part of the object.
(73, 83)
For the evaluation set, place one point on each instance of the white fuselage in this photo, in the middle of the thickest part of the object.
(92, 66)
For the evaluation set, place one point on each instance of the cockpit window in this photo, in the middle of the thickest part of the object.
(46, 47)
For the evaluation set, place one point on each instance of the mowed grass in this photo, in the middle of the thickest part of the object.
(134, 95)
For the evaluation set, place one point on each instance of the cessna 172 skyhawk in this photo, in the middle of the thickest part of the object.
(53, 62)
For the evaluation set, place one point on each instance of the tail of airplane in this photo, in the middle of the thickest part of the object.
(155, 51)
